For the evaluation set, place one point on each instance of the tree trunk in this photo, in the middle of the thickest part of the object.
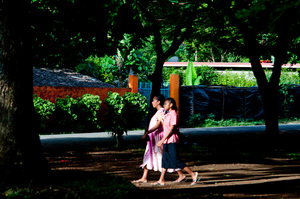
(157, 76)
(269, 95)
(156, 79)
(20, 147)
(270, 105)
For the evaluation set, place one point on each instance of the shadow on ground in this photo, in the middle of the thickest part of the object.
(232, 166)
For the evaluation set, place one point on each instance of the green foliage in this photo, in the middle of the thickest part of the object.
(125, 112)
(191, 77)
(211, 122)
(114, 113)
(194, 120)
(239, 79)
(64, 115)
(106, 68)
(43, 109)
(132, 58)
(68, 114)
(86, 108)
(102, 68)
(167, 71)
(289, 77)
(136, 106)
(247, 79)
(209, 76)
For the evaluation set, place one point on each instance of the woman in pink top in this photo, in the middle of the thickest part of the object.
(153, 153)
(170, 141)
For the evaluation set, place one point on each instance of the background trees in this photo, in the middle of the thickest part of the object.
(206, 31)
(266, 28)
(63, 34)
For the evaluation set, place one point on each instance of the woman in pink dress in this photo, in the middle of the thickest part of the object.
(170, 142)
(153, 154)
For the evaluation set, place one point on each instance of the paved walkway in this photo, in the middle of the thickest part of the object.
(104, 137)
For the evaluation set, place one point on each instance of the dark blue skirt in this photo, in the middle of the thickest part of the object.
(171, 158)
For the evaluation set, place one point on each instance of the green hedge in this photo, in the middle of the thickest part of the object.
(67, 114)
(125, 112)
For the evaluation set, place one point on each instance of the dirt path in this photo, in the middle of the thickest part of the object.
(232, 166)
(229, 180)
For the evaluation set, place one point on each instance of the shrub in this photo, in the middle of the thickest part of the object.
(242, 79)
(209, 76)
(195, 120)
(43, 110)
(136, 106)
(114, 113)
(64, 115)
(125, 112)
(86, 108)
(67, 114)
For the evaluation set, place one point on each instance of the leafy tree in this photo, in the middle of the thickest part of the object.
(266, 28)
(65, 33)
(169, 27)
(59, 34)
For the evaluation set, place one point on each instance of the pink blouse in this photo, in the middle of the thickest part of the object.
(170, 120)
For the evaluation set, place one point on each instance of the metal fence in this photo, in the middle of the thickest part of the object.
(145, 89)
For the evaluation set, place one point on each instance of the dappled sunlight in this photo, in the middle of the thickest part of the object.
(126, 163)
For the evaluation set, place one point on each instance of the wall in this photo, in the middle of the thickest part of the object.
(51, 93)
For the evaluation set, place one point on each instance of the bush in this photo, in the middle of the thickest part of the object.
(195, 120)
(114, 113)
(209, 76)
(125, 112)
(136, 106)
(242, 79)
(68, 114)
(64, 116)
(86, 108)
(43, 110)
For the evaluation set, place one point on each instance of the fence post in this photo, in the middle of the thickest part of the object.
(174, 89)
(133, 83)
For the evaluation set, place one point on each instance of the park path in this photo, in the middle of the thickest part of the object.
(273, 176)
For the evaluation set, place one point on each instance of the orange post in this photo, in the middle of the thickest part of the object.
(133, 83)
(174, 89)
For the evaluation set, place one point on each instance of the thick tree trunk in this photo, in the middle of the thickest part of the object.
(270, 104)
(20, 147)
(268, 89)
(157, 76)
(270, 97)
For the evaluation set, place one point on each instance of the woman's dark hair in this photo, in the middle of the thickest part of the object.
(161, 99)
(171, 100)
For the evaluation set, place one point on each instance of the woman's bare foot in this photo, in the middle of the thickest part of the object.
(196, 179)
(140, 181)
(180, 179)
(195, 176)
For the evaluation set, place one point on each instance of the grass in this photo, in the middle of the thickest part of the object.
(211, 122)
(71, 184)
